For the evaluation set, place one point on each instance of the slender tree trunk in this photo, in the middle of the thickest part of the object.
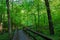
(38, 14)
(51, 28)
(12, 24)
(9, 19)
(35, 21)
(38, 28)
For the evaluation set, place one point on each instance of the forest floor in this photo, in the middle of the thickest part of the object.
(4, 36)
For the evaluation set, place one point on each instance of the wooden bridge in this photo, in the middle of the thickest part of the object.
(21, 36)
(25, 34)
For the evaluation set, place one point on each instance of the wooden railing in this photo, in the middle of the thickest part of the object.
(36, 33)
(15, 36)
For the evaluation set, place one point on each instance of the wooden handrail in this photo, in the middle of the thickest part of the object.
(39, 34)
(15, 36)
(32, 36)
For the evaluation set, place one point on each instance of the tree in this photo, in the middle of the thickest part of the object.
(51, 28)
(9, 19)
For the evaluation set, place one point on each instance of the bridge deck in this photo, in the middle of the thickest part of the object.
(21, 36)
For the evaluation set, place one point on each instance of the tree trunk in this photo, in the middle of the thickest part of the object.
(35, 21)
(51, 28)
(9, 21)
(38, 28)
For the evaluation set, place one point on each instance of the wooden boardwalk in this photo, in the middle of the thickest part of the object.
(21, 36)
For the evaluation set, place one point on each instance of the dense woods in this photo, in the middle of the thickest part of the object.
(42, 16)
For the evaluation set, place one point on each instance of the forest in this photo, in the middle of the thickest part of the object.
(40, 18)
